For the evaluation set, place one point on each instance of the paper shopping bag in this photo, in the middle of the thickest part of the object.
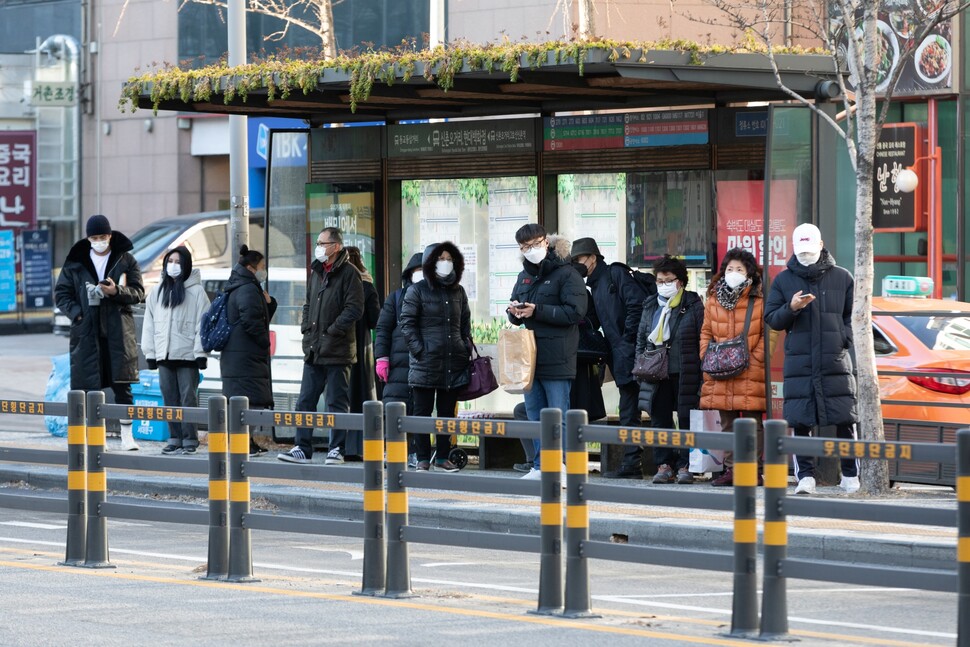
(701, 461)
(516, 359)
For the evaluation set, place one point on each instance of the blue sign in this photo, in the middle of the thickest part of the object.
(290, 147)
(8, 272)
(37, 264)
(751, 124)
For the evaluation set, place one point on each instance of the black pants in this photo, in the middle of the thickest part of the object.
(424, 404)
(180, 388)
(335, 380)
(662, 416)
(805, 465)
(121, 390)
(630, 417)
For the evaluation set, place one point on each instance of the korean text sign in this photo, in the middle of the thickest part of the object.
(18, 178)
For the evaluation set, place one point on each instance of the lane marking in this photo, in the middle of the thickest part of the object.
(437, 564)
(355, 555)
(31, 524)
(658, 596)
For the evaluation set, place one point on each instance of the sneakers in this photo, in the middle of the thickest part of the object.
(422, 466)
(684, 477)
(664, 475)
(445, 466)
(295, 455)
(850, 484)
(334, 457)
(533, 475)
(523, 467)
(806, 485)
(626, 471)
(171, 449)
(412, 461)
(726, 479)
(188, 450)
(255, 450)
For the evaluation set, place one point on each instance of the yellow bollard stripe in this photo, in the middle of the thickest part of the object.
(776, 533)
(745, 530)
(776, 476)
(576, 462)
(239, 491)
(373, 500)
(397, 451)
(76, 434)
(577, 516)
(963, 549)
(96, 435)
(374, 450)
(963, 489)
(219, 490)
(745, 474)
(96, 482)
(397, 502)
(218, 442)
(239, 444)
(550, 460)
(77, 480)
(551, 514)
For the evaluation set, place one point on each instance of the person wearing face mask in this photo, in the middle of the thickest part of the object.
(737, 284)
(97, 287)
(811, 300)
(244, 362)
(436, 322)
(673, 319)
(550, 299)
(335, 302)
(170, 342)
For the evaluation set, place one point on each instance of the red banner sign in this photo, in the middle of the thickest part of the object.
(18, 178)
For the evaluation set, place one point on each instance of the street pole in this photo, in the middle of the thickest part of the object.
(238, 155)
(436, 33)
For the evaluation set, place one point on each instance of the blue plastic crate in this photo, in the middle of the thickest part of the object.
(148, 393)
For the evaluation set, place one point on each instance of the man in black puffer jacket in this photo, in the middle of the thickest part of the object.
(812, 302)
(335, 301)
(549, 298)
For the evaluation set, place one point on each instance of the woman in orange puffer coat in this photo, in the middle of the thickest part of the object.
(742, 396)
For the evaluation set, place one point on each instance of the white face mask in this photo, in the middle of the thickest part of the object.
(320, 253)
(808, 258)
(260, 275)
(443, 268)
(535, 255)
(667, 290)
(173, 269)
(734, 279)
(100, 246)
(417, 275)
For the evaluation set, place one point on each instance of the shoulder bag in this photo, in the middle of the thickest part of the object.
(729, 358)
(481, 379)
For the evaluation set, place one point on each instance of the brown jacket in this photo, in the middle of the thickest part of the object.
(746, 392)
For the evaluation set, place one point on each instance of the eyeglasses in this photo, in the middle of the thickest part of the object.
(662, 282)
(536, 245)
(321, 243)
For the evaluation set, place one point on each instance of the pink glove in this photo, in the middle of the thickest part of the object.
(383, 367)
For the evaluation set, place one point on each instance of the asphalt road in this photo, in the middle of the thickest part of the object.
(305, 596)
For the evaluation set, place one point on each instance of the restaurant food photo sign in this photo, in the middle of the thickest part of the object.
(928, 70)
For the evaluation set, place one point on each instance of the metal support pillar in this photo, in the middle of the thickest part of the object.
(96, 548)
(240, 542)
(744, 613)
(550, 517)
(774, 592)
(374, 547)
(77, 482)
(398, 580)
(218, 564)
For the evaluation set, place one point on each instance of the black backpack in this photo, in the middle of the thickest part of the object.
(644, 280)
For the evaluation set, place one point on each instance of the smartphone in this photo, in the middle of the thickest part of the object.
(104, 282)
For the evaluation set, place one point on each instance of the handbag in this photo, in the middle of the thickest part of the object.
(516, 359)
(651, 365)
(593, 347)
(481, 380)
(729, 358)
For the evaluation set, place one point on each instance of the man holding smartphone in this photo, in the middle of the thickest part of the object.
(812, 302)
(97, 287)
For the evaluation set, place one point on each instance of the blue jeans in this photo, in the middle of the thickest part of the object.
(335, 380)
(547, 394)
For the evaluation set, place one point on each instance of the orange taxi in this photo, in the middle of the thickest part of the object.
(931, 338)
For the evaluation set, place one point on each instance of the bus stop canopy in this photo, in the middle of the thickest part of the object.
(387, 90)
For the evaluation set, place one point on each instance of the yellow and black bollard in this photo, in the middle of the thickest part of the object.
(374, 559)
(550, 516)
(218, 564)
(963, 538)
(96, 543)
(77, 482)
(744, 615)
(240, 540)
(398, 580)
(578, 603)
(774, 596)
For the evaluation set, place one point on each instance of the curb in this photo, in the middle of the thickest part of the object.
(471, 516)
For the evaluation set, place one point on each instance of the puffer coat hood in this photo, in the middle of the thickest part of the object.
(173, 333)
(430, 258)
(389, 340)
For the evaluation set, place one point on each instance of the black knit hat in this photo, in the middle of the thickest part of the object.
(98, 225)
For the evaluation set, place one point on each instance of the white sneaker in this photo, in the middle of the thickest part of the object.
(806, 485)
(128, 443)
(334, 457)
(850, 484)
(532, 475)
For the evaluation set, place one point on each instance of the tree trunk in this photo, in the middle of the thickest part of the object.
(874, 474)
(327, 37)
(587, 28)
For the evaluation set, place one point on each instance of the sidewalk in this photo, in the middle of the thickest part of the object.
(900, 545)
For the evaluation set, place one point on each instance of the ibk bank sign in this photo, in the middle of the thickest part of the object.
(289, 148)
(18, 178)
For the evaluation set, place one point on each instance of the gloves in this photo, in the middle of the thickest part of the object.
(202, 362)
(152, 364)
(383, 368)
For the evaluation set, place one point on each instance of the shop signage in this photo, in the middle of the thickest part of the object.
(8, 272)
(630, 130)
(18, 178)
(353, 143)
(38, 284)
(892, 210)
(462, 138)
(53, 94)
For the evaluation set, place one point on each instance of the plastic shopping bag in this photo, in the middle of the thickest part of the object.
(700, 460)
(58, 384)
(516, 359)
